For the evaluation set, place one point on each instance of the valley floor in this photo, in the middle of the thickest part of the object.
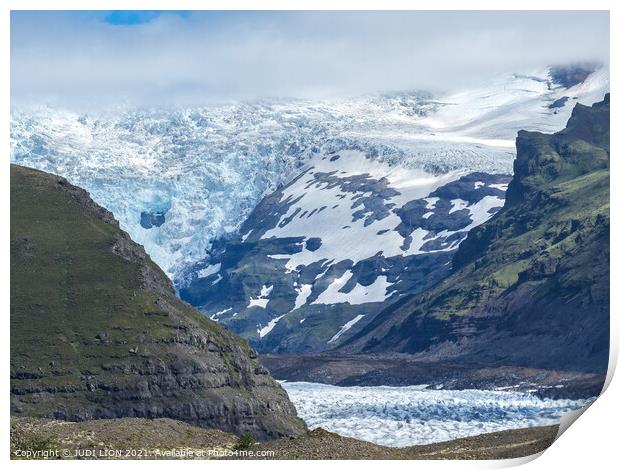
(135, 438)
(402, 369)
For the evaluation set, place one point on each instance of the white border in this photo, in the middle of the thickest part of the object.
(592, 443)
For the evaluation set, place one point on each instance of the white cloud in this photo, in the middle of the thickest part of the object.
(77, 58)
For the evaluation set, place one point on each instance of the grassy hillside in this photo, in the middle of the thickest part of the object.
(97, 331)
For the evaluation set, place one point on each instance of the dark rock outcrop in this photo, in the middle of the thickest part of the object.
(152, 219)
(559, 103)
(571, 75)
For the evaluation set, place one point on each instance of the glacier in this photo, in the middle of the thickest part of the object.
(412, 415)
(196, 173)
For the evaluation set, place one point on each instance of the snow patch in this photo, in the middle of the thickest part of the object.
(347, 326)
(303, 292)
(262, 303)
(262, 332)
(430, 202)
(457, 205)
(480, 211)
(375, 292)
(221, 312)
(263, 298)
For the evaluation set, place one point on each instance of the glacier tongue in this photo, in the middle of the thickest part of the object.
(191, 175)
(413, 415)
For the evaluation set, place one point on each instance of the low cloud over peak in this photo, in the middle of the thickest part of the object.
(149, 58)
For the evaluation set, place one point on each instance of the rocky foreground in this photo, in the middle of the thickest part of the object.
(136, 438)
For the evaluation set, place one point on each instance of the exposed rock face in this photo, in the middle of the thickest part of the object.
(319, 258)
(152, 219)
(530, 287)
(568, 76)
(97, 331)
(559, 103)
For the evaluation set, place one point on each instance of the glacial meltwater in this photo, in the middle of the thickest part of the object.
(403, 416)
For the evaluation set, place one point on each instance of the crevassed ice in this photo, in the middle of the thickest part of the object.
(211, 269)
(403, 416)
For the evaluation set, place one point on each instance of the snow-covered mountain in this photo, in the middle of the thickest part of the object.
(317, 259)
(179, 179)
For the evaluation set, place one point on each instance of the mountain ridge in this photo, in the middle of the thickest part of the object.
(531, 285)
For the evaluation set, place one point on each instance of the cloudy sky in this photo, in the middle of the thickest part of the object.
(152, 58)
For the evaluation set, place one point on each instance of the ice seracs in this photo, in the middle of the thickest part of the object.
(212, 269)
(414, 415)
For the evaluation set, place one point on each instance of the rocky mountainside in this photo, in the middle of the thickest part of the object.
(97, 331)
(317, 259)
(530, 287)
